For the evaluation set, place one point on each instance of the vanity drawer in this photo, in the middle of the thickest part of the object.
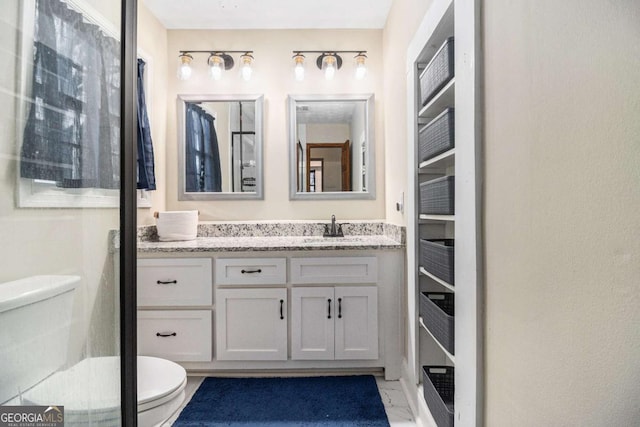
(334, 270)
(179, 335)
(251, 271)
(174, 282)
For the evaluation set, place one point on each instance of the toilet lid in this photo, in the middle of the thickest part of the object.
(92, 386)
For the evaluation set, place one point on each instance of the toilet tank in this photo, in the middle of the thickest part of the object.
(35, 320)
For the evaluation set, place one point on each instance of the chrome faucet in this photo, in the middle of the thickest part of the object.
(335, 230)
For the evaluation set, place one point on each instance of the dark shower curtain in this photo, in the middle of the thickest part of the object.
(72, 135)
(202, 154)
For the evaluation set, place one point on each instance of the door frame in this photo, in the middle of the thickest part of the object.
(128, 213)
(343, 159)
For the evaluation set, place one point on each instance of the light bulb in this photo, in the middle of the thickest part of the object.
(184, 68)
(246, 69)
(299, 68)
(216, 64)
(299, 71)
(361, 69)
(329, 66)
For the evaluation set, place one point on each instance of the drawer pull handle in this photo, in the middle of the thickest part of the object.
(243, 271)
(329, 308)
(339, 308)
(167, 282)
(166, 334)
(281, 309)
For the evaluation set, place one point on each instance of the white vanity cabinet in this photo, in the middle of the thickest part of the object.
(175, 308)
(334, 323)
(251, 324)
(270, 311)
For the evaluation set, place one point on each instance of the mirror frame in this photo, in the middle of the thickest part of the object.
(202, 196)
(368, 98)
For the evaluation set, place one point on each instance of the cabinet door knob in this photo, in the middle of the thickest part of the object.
(329, 308)
(281, 309)
(339, 308)
(243, 271)
(167, 282)
(166, 334)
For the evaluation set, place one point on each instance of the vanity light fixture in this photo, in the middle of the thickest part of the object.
(329, 62)
(218, 62)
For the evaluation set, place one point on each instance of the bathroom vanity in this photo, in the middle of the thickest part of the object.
(266, 303)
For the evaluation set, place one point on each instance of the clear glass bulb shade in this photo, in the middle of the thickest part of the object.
(216, 66)
(184, 71)
(246, 71)
(329, 66)
(329, 72)
(299, 72)
(361, 71)
(184, 67)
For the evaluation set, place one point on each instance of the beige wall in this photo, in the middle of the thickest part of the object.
(152, 41)
(402, 22)
(561, 219)
(273, 77)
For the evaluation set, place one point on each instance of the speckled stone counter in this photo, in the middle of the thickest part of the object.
(271, 243)
(277, 236)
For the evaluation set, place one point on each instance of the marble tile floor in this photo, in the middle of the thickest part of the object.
(395, 402)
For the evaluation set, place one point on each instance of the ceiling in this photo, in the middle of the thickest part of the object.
(325, 112)
(270, 14)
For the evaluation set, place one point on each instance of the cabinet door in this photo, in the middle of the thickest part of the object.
(356, 323)
(251, 324)
(312, 322)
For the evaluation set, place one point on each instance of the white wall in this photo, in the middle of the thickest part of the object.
(273, 77)
(562, 187)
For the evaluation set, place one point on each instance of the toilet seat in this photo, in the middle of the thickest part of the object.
(90, 390)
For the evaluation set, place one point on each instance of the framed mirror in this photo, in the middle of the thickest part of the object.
(331, 147)
(220, 147)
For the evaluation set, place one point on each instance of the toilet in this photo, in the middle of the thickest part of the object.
(38, 311)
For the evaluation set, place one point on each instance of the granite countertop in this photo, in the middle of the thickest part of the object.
(272, 236)
(272, 243)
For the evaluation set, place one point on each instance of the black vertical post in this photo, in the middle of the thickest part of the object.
(128, 200)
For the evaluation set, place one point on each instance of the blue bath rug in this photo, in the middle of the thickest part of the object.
(311, 401)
